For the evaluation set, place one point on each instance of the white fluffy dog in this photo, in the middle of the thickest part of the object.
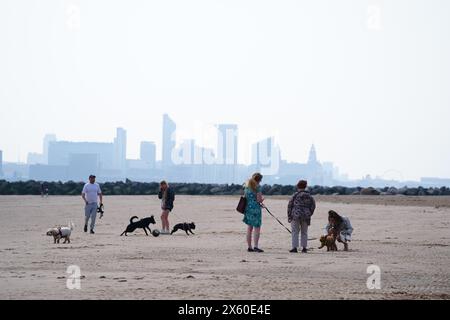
(62, 232)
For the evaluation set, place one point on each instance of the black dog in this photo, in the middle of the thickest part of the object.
(186, 227)
(143, 224)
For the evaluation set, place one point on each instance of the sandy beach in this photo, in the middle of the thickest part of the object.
(407, 237)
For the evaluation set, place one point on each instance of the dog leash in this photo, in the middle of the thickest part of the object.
(262, 205)
(173, 214)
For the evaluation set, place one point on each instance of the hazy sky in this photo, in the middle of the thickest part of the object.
(367, 81)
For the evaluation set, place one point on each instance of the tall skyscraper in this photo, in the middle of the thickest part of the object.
(262, 152)
(47, 139)
(148, 153)
(120, 149)
(227, 144)
(169, 140)
(266, 156)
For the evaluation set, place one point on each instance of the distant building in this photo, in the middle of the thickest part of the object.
(185, 154)
(59, 152)
(169, 141)
(41, 158)
(82, 165)
(435, 182)
(204, 169)
(47, 139)
(35, 158)
(266, 157)
(15, 171)
(227, 153)
(120, 150)
(204, 156)
(312, 159)
(227, 144)
(76, 160)
(148, 153)
(330, 173)
(262, 152)
(42, 172)
(312, 171)
(137, 164)
(196, 164)
(1, 163)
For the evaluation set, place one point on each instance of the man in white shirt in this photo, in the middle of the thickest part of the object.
(91, 192)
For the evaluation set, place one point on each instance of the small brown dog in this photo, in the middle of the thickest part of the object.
(59, 233)
(329, 240)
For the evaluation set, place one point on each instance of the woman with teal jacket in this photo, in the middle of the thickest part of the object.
(253, 214)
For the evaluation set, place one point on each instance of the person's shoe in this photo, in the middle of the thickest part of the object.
(92, 232)
(85, 228)
(258, 250)
(305, 250)
(294, 250)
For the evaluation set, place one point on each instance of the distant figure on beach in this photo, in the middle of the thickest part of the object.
(253, 214)
(90, 194)
(44, 190)
(342, 225)
(167, 196)
(301, 207)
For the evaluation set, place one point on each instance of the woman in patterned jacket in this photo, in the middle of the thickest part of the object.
(300, 210)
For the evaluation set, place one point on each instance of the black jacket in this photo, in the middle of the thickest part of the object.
(168, 204)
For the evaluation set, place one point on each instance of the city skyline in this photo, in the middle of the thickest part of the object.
(182, 161)
(185, 161)
(371, 92)
(169, 130)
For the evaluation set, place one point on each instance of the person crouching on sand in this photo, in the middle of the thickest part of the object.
(253, 214)
(167, 196)
(343, 227)
(300, 210)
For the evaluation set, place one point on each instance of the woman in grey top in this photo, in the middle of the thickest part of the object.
(343, 226)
